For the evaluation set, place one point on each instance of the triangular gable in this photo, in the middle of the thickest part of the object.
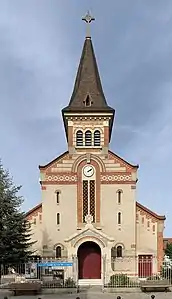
(122, 162)
(53, 163)
(34, 211)
(148, 212)
(89, 232)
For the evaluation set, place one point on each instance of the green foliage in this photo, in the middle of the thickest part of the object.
(15, 234)
(119, 280)
(154, 277)
(168, 250)
(69, 283)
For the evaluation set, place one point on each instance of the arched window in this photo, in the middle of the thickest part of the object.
(119, 218)
(57, 197)
(119, 196)
(97, 138)
(58, 252)
(58, 218)
(88, 138)
(119, 251)
(79, 138)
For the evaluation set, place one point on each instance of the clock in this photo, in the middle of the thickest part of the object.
(88, 170)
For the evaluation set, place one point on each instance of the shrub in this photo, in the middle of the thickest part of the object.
(119, 280)
(154, 277)
(69, 283)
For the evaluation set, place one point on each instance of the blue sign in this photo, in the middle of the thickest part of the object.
(55, 264)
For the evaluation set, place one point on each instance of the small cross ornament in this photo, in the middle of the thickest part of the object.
(88, 19)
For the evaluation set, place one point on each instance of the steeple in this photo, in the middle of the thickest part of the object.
(88, 95)
(87, 84)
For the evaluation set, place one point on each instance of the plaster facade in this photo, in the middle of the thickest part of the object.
(140, 231)
(101, 208)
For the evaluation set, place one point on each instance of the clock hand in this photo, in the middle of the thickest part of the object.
(89, 169)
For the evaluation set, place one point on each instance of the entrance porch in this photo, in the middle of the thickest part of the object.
(90, 246)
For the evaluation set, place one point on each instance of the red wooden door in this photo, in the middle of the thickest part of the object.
(89, 261)
(145, 266)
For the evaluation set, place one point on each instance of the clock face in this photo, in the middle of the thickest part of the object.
(88, 170)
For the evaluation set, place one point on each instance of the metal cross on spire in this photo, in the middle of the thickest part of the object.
(88, 19)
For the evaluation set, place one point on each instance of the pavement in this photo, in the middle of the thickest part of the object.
(90, 295)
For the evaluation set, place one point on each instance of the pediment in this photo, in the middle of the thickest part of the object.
(121, 162)
(91, 233)
(52, 165)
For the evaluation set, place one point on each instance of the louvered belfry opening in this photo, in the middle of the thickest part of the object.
(97, 138)
(79, 138)
(88, 138)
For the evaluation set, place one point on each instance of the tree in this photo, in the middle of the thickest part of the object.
(168, 250)
(15, 233)
(166, 270)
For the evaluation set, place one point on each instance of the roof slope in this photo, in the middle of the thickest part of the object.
(159, 217)
(42, 167)
(88, 84)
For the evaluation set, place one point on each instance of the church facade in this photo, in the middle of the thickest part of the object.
(89, 210)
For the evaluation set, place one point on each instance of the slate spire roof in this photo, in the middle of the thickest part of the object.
(88, 92)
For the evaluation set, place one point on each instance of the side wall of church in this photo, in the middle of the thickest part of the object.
(149, 237)
(35, 221)
(146, 227)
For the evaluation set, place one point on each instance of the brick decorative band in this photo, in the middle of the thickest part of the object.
(116, 178)
(61, 178)
(104, 178)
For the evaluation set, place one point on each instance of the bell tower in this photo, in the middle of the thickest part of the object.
(88, 120)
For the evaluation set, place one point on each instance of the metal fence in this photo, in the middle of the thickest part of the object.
(51, 273)
(128, 272)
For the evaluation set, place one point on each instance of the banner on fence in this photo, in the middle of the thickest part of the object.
(55, 264)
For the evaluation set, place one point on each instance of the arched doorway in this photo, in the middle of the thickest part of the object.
(89, 261)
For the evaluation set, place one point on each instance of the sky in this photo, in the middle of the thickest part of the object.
(40, 47)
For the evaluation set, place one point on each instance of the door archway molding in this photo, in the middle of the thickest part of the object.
(94, 239)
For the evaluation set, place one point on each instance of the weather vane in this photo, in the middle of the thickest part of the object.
(88, 19)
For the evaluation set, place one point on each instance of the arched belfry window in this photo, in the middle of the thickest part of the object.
(97, 138)
(79, 138)
(88, 138)
(58, 252)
